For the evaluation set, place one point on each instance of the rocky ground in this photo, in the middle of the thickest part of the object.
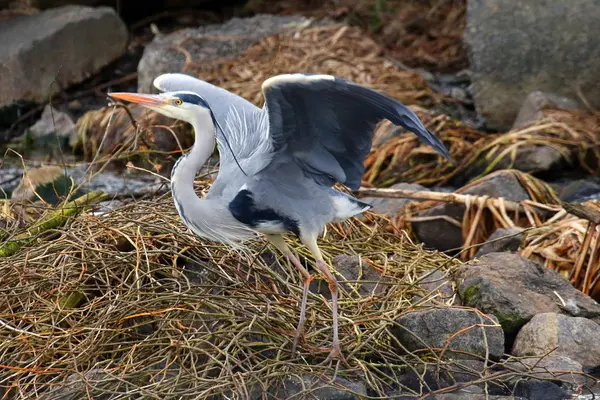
(516, 107)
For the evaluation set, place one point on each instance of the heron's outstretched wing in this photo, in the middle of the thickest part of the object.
(326, 124)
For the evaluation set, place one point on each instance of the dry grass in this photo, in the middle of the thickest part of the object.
(561, 236)
(154, 310)
(132, 133)
(419, 33)
(333, 49)
(568, 243)
(483, 214)
(574, 134)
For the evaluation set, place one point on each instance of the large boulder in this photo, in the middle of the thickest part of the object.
(164, 55)
(503, 239)
(515, 289)
(536, 102)
(315, 387)
(462, 332)
(515, 48)
(43, 53)
(555, 367)
(574, 337)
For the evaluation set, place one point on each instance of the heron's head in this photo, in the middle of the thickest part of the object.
(182, 105)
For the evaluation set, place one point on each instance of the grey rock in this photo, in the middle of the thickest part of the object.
(528, 158)
(78, 386)
(536, 102)
(206, 43)
(439, 287)
(534, 389)
(434, 377)
(450, 328)
(388, 206)
(533, 158)
(124, 184)
(43, 53)
(555, 367)
(581, 190)
(443, 235)
(574, 337)
(53, 121)
(462, 395)
(514, 289)
(10, 177)
(360, 278)
(515, 48)
(318, 387)
(502, 239)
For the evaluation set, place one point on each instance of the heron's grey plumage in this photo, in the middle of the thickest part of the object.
(313, 131)
(278, 164)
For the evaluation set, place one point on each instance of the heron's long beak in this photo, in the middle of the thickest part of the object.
(143, 99)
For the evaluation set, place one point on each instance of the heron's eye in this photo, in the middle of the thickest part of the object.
(178, 102)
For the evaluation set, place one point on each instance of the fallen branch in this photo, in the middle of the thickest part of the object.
(53, 220)
(499, 202)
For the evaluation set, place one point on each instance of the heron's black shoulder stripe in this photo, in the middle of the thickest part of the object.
(244, 209)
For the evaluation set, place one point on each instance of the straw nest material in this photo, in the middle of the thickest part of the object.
(574, 134)
(131, 301)
(426, 33)
(562, 236)
(569, 243)
(132, 133)
(483, 214)
(336, 49)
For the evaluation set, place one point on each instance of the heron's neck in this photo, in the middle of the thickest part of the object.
(208, 218)
(184, 171)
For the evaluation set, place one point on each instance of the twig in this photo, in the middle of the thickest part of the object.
(451, 198)
(55, 219)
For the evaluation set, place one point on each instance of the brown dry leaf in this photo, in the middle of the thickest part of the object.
(562, 246)
(575, 134)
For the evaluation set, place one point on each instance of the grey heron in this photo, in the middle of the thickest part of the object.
(278, 163)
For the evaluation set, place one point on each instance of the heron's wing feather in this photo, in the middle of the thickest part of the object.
(326, 124)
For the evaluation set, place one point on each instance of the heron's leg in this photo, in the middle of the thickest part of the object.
(311, 243)
(281, 245)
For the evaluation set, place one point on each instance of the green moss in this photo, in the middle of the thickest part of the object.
(470, 295)
(71, 300)
(510, 322)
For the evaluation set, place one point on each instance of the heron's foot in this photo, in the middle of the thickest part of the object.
(335, 354)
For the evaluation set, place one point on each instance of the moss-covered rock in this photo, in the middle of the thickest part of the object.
(515, 289)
